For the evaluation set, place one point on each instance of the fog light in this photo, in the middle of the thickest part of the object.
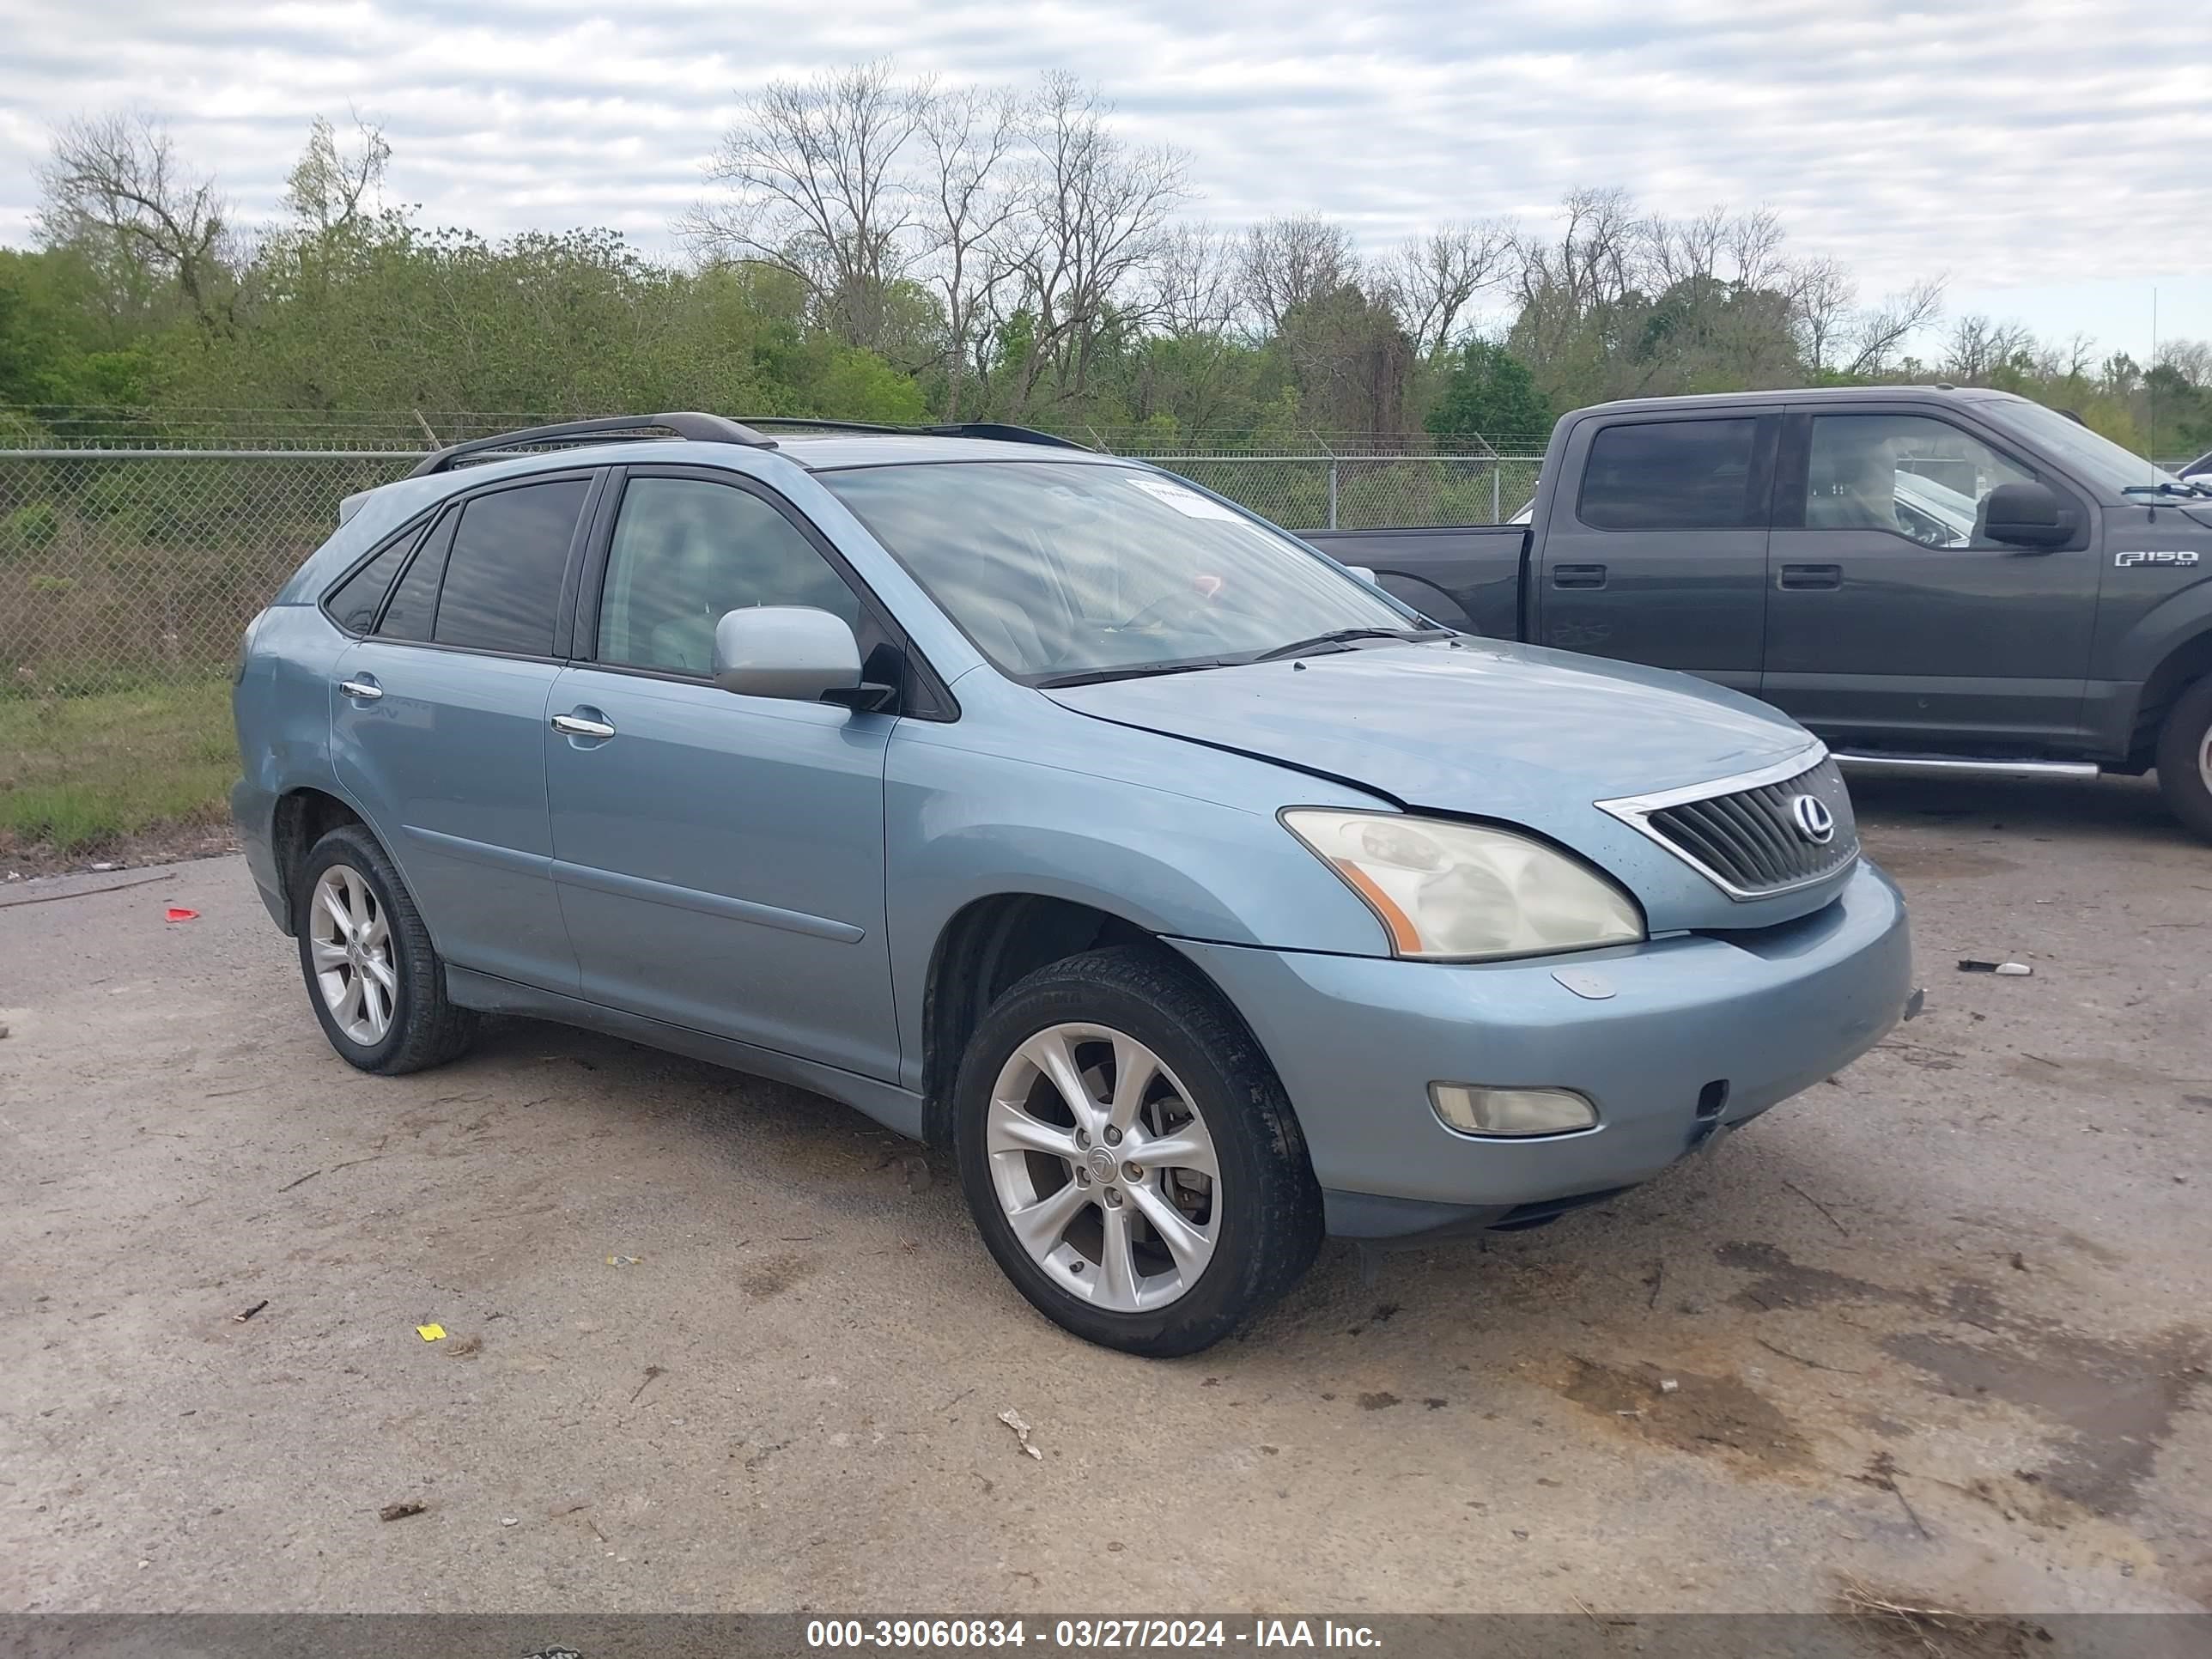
(1473, 1111)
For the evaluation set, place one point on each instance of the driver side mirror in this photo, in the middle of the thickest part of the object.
(792, 652)
(2026, 515)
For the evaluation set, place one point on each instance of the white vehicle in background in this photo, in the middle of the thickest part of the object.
(1934, 513)
(2200, 468)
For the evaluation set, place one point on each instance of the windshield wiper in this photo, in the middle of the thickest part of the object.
(1345, 637)
(1129, 671)
(2167, 487)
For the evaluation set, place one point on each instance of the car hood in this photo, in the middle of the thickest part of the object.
(1515, 733)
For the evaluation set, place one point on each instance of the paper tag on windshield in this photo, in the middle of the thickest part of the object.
(1186, 501)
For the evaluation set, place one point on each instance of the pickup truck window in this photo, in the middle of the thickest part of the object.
(1912, 476)
(1671, 475)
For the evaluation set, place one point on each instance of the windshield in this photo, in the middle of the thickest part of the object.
(1054, 568)
(2099, 460)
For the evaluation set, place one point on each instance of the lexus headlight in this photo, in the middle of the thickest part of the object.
(1460, 890)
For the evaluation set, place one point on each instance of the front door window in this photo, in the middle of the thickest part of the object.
(1922, 479)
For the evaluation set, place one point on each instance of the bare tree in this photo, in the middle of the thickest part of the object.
(1821, 295)
(969, 134)
(1194, 281)
(1091, 221)
(1754, 244)
(330, 188)
(1979, 348)
(1876, 334)
(1432, 280)
(1194, 303)
(814, 188)
(115, 181)
(1569, 282)
(1291, 261)
(1596, 259)
(2191, 359)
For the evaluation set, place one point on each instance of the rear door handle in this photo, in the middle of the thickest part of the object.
(582, 725)
(1798, 577)
(368, 691)
(1578, 575)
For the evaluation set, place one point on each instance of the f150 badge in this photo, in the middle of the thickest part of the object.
(2169, 556)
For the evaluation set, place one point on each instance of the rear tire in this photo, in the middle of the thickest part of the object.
(2185, 759)
(1170, 1203)
(373, 978)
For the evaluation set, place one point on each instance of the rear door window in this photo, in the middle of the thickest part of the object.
(1672, 474)
(502, 587)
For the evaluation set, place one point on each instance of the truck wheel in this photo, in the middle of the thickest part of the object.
(1129, 1156)
(2185, 759)
(375, 982)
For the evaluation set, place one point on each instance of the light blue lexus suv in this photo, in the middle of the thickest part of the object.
(1198, 895)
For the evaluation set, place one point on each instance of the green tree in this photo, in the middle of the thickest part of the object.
(1489, 393)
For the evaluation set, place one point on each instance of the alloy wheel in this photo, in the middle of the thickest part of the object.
(349, 943)
(1103, 1167)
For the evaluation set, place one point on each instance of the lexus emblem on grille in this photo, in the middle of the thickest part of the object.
(1814, 822)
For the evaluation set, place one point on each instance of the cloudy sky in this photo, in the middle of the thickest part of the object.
(2051, 158)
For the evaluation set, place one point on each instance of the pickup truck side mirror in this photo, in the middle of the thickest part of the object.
(2026, 515)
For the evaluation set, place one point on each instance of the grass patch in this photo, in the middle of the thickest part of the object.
(76, 772)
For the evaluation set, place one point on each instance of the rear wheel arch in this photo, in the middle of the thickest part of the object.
(303, 817)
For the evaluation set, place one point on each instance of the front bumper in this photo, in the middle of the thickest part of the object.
(1357, 1041)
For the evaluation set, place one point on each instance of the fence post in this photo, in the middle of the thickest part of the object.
(1496, 467)
(1331, 453)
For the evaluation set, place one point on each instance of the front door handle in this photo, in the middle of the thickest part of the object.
(1578, 575)
(366, 689)
(582, 725)
(1799, 577)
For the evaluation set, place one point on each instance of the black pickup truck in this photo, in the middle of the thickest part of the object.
(1931, 578)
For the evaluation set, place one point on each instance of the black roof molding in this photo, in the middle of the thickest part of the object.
(688, 424)
(993, 431)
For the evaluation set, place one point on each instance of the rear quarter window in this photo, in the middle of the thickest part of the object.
(353, 604)
(1671, 475)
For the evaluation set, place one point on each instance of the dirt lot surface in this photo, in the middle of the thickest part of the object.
(718, 1344)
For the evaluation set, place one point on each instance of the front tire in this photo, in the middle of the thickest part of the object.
(373, 978)
(1129, 1156)
(2185, 759)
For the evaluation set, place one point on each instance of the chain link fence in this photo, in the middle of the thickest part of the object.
(123, 567)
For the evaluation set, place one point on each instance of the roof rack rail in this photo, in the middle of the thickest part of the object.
(995, 430)
(699, 429)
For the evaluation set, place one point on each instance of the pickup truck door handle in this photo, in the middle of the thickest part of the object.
(1799, 577)
(364, 688)
(580, 725)
(1578, 575)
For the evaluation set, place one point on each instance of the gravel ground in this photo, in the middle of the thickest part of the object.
(718, 1344)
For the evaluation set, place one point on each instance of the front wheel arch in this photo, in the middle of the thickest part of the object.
(985, 948)
(2183, 757)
